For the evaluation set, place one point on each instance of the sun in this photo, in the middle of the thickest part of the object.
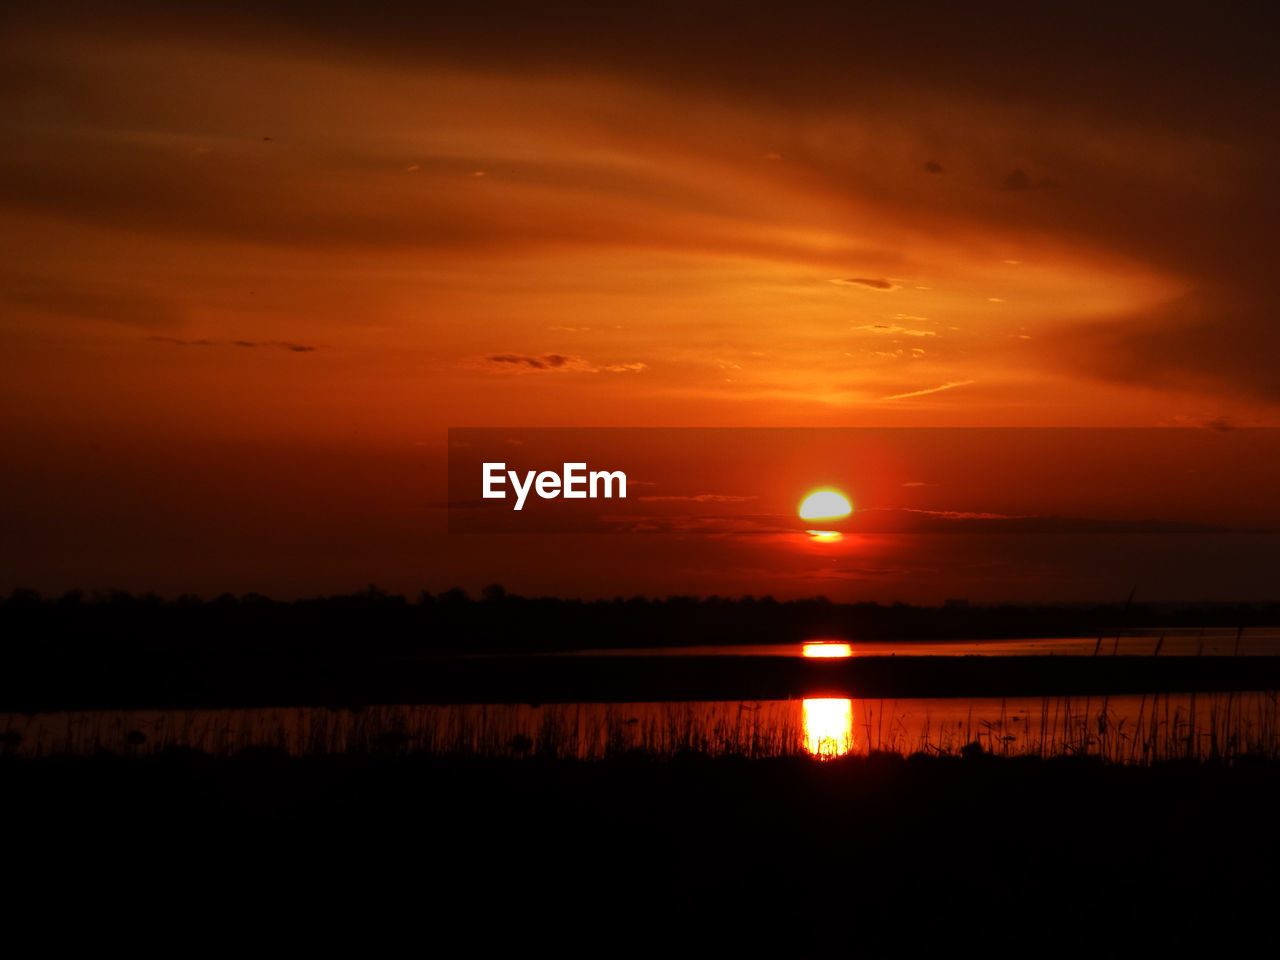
(825, 505)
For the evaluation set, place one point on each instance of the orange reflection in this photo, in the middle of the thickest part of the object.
(825, 536)
(825, 648)
(828, 727)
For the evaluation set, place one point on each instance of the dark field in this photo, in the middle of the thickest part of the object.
(373, 844)
(872, 856)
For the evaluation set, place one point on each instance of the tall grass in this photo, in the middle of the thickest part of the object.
(1128, 730)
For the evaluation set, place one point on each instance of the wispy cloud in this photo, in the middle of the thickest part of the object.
(872, 282)
(702, 498)
(915, 520)
(938, 389)
(961, 514)
(277, 344)
(894, 328)
(1221, 424)
(182, 343)
(551, 362)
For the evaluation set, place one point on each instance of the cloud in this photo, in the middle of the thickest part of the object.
(874, 284)
(702, 498)
(910, 520)
(1183, 196)
(277, 344)
(894, 328)
(1016, 180)
(965, 514)
(1220, 424)
(1219, 338)
(727, 525)
(938, 389)
(182, 343)
(549, 362)
(1019, 180)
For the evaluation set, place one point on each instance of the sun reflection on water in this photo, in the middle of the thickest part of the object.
(825, 649)
(828, 727)
(825, 536)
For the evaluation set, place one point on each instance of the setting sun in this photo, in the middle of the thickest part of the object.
(825, 505)
(784, 479)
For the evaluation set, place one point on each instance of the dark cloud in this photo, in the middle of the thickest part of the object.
(1017, 180)
(1142, 60)
(1173, 116)
(1217, 424)
(278, 344)
(548, 361)
(867, 522)
(1221, 340)
(239, 198)
(558, 362)
(909, 520)
(182, 343)
(875, 284)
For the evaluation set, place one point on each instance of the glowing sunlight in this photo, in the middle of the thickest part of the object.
(824, 505)
(828, 727)
(827, 649)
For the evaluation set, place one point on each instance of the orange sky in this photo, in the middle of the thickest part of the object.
(255, 266)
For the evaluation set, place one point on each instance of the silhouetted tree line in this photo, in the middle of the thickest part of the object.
(374, 622)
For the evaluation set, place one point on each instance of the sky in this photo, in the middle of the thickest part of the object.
(256, 263)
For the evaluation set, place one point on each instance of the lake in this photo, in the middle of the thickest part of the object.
(1183, 642)
(1126, 727)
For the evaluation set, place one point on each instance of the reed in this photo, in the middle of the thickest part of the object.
(1126, 730)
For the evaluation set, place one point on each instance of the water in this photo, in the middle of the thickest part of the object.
(1127, 729)
(1183, 642)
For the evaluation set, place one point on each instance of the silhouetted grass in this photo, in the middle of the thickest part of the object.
(1124, 730)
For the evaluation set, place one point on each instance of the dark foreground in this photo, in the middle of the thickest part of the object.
(877, 856)
(345, 682)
